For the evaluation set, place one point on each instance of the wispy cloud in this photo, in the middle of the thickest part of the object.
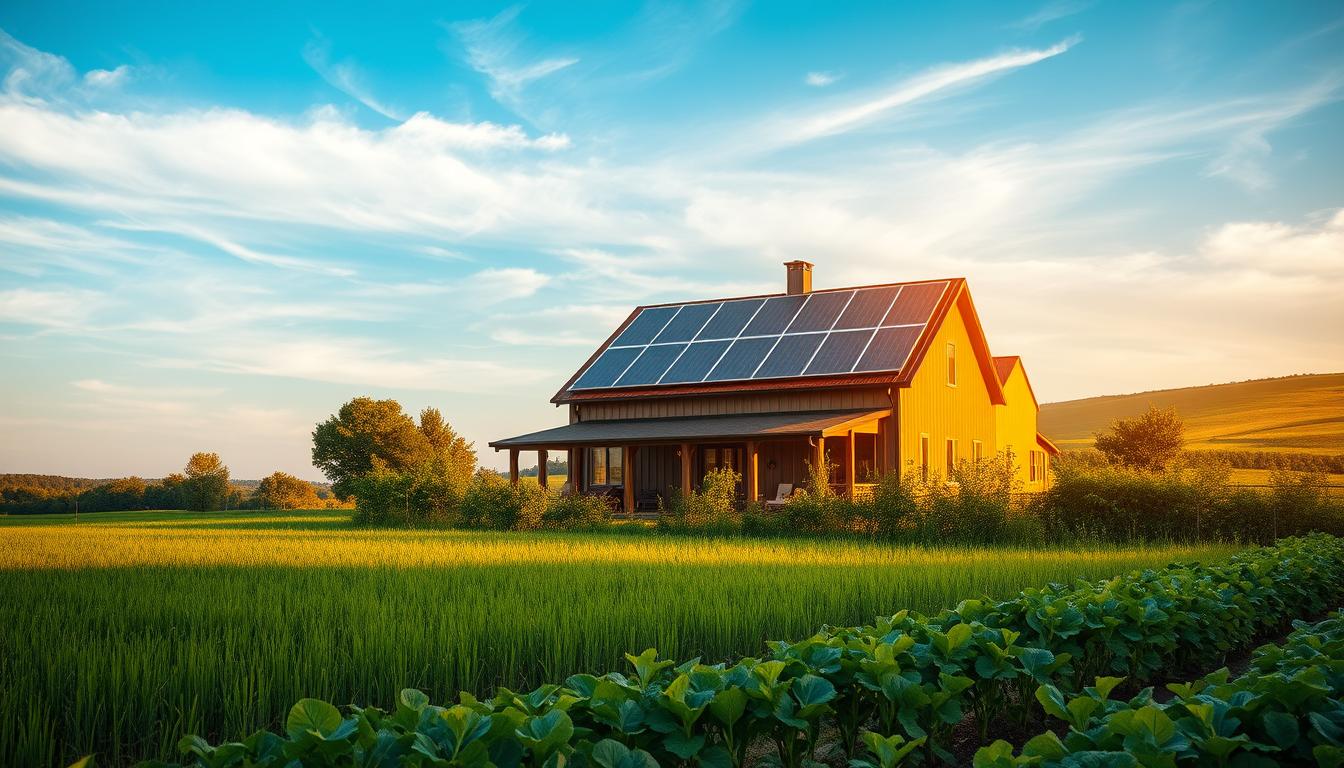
(1052, 11)
(820, 79)
(494, 46)
(848, 117)
(346, 77)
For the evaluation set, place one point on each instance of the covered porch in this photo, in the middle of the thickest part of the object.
(638, 462)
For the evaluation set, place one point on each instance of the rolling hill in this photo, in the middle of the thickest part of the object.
(1299, 414)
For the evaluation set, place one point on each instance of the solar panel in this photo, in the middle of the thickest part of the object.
(645, 326)
(651, 365)
(789, 356)
(820, 313)
(733, 316)
(839, 352)
(695, 362)
(741, 359)
(868, 308)
(915, 304)
(606, 369)
(860, 330)
(889, 349)
(687, 323)
(775, 316)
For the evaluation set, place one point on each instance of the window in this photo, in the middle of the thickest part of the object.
(951, 365)
(718, 458)
(977, 451)
(604, 466)
(865, 457)
(951, 458)
(1036, 466)
(924, 457)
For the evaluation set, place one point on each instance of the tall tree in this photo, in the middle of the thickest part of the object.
(285, 491)
(207, 483)
(364, 435)
(1150, 441)
(453, 457)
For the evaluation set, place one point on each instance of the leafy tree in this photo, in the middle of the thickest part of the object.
(363, 436)
(452, 457)
(285, 491)
(1149, 442)
(207, 482)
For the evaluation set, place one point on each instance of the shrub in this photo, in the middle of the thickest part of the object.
(712, 509)
(493, 502)
(577, 512)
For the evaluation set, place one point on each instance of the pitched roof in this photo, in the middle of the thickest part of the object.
(868, 335)
(1005, 364)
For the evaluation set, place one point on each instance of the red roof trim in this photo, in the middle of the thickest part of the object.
(954, 296)
(1045, 443)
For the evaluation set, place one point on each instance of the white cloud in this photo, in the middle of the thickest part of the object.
(49, 308)
(344, 76)
(802, 128)
(820, 79)
(1051, 11)
(1277, 248)
(108, 78)
(493, 48)
(491, 286)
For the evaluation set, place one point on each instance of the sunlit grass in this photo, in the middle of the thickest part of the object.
(125, 631)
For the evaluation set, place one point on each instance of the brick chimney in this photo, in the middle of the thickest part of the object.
(800, 277)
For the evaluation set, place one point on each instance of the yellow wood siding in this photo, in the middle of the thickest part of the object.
(1016, 427)
(929, 406)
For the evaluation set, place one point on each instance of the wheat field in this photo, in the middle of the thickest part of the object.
(127, 630)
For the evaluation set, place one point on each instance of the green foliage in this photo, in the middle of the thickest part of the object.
(284, 491)
(1150, 441)
(1285, 710)
(914, 677)
(368, 436)
(207, 482)
(713, 509)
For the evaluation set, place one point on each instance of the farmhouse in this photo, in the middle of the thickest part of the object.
(877, 379)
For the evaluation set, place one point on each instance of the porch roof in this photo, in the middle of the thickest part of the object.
(695, 428)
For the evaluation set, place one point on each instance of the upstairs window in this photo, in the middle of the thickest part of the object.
(951, 365)
(951, 459)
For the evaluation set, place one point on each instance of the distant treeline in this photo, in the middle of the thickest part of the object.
(22, 494)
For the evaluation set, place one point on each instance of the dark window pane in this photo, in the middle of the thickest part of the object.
(645, 326)
(687, 323)
(790, 355)
(915, 304)
(731, 319)
(741, 359)
(890, 348)
(606, 369)
(868, 308)
(695, 362)
(651, 365)
(775, 316)
(820, 312)
(839, 352)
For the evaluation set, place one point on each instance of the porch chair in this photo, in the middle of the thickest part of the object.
(782, 494)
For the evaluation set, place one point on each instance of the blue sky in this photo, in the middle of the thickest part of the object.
(218, 224)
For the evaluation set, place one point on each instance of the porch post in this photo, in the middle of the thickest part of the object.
(849, 466)
(541, 468)
(628, 479)
(686, 462)
(819, 458)
(752, 474)
(513, 466)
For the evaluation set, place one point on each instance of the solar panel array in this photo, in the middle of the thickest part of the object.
(816, 334)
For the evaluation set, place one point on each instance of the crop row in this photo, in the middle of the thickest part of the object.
(1285, 709)
(909, 676)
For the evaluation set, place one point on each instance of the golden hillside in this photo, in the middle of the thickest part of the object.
(1296, 413)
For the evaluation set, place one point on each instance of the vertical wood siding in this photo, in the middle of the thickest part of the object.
(720, 405)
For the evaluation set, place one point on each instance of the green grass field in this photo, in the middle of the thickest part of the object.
(1298, 413)
(123, 632)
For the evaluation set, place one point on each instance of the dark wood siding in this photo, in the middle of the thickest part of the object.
(719, 405)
